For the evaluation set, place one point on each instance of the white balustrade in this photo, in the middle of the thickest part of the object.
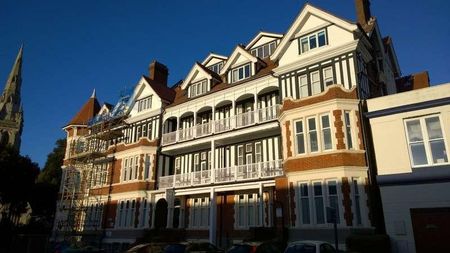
(236, 173)
(222, 125)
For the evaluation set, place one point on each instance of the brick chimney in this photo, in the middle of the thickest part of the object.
(363, 11)
(158, 72)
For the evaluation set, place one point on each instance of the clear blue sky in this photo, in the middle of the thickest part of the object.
(74, 46)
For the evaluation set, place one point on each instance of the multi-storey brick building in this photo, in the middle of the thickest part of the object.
(267, 137)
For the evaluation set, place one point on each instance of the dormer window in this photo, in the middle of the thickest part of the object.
(198, 88)
(216, 67)
(314, 40)
(144, 104)
(265, 50)
(240, 73)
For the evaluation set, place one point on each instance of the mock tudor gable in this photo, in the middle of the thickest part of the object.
(312, 29)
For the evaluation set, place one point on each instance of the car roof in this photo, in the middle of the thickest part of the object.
(308, 241)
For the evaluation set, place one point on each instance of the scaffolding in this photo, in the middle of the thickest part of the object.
(87, 178)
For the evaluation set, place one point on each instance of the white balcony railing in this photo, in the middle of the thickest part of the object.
(236, 173)
(222, 125)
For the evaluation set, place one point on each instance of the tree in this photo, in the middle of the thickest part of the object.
(46, 189)
(51, 174)
(18, 174)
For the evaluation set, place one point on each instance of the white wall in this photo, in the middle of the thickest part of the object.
(397, 202)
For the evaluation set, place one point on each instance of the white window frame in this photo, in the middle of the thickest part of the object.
(199, 206)
(322, 132)
(235, 75)
(309, 132)
(144, 213)
(299, 208)
(316, 86)
(356, 200)
(328, 79)
(216, 67)
(348, 130)
(245, 203)
(307, 38)
(266, 50)
(303, 83)
(340, 213)
(130, 167)
(315, 209)
(296, 139)
(144, 103)
(198, 88)
(426, 140)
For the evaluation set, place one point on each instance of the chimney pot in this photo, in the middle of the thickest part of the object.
(363, 14)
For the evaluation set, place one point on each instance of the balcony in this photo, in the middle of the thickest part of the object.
(238, 173)
(223, 125)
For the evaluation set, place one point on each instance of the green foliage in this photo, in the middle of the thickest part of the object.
(18, 174)
(51, 174)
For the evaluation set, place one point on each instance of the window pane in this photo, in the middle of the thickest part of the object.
(414, 131)
(321, 38)
(319, 211)
(327, 139)
(305, 211)
(241, 73)
(304, 45)
(247, 71)
(438, 151)
(300, 144)
(312, 42)
(433, 128)
(298, 127)
(313, 141)
(418, 153)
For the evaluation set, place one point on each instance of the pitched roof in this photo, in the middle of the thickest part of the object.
(87, 112)
(163, 91)
(182, 96)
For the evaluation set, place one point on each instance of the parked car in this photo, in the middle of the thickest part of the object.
(175, 248)
(203, 247)
(242, 248)
(310, 247)
(273, 246)
(147, 248)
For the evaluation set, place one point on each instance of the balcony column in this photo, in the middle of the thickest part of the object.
(213, 162)
(194, 128)
(213, 119)
(212, 216)
(177, 126)
(255, 108)
(233, 114)
(261, 205)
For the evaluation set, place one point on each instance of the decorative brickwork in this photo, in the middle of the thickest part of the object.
(115, 171)
(124, 187)
(359, 128)
(333, 92)
(325, 161)
(347, 202)
(288, 139)
(338, 124)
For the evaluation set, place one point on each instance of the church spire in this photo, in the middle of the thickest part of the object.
(14, 82)
(11, 111)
